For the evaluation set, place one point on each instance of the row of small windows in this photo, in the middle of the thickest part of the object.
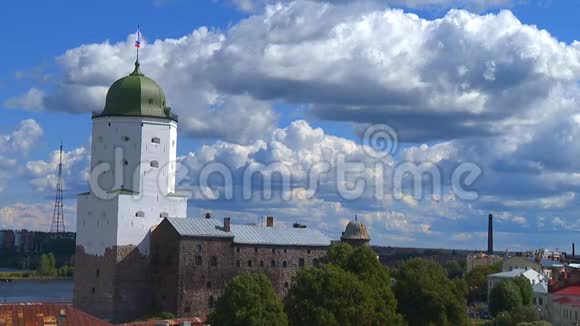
(213, 261)
(273, 250)
(142, 214)
(153, 164)
(154, 140)
(301, 263)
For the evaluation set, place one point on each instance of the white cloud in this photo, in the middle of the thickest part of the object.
(33, 216)
(44, 174)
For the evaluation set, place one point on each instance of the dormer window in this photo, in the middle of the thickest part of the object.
(154, 164)
(140, 214)
(156, 140)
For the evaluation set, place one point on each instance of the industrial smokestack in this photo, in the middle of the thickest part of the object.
(490, 234)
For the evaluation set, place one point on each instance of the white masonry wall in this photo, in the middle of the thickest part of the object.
(141, 153)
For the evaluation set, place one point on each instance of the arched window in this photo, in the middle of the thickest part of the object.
(301, 262)
(163, 215)
(249, 263)
(140, 214)
(284, 264)
(261, 263)
(286, 284)
(156, 140)
(154, 164)
(273, 263)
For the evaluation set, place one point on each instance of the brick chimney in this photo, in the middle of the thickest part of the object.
(227, 221)
(270, 221)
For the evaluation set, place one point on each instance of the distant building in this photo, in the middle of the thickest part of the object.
(481, 259)
(531, 275)
(520, 262)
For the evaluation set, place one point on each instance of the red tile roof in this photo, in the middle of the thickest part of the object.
(572, 290)
(570, 301)
(46, 314)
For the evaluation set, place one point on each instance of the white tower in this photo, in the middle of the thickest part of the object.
(132, 188)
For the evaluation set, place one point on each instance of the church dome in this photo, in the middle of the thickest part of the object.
(355, 230)
(136, 95)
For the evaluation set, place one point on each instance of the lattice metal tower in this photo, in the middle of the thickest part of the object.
(58, 215)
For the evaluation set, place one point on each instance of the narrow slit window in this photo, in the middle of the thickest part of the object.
(163, 215)
(140, 214)
(156, 140)
(154, 164)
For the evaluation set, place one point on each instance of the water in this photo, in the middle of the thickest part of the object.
(36, 291)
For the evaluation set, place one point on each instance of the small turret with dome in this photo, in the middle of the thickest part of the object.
(136, 95)
(355, 234)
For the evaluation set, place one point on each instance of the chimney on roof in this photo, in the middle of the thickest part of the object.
(207, 215)
(573, 249)
(490, 234)
(270, 221)
(227, 222)
(298, 226)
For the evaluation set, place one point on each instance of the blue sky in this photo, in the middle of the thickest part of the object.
(495, 83)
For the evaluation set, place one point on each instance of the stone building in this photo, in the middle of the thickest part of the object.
(355, 234)
(194, 258)
(132, 188)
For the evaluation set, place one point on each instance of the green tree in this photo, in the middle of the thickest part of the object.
(454, 269)
(522, 315)
(249, 300)
(536, 323)
(426, 296)
(47, 265)
(477, 281)
(526, 291)
(329, 295)
(338, 254)
(505, 296)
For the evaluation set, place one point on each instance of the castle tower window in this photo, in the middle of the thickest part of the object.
(284, 250)
(249, 263)
(238, 249)
(198, 260)
(208, 284)
(125, 162)
(301, 262)
(256, 250)
(154, 164)
(284, 264)
(213, 261)
(98, 272)
(125, 138)
(238, 263)
(273, 263)
(261, 263)
(156, 140)
(308, 251)
(286, 284)
(140, 214)
(163, 215)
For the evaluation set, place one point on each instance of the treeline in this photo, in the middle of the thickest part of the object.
(352, 287)
(47, 267)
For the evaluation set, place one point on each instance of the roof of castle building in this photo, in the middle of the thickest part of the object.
(249, 234)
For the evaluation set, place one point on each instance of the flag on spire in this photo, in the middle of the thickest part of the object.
(138, 38)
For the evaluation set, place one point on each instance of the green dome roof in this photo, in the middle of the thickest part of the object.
(136, 95)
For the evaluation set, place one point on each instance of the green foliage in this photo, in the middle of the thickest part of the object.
(454, 269)
(426, 296)
(505, 296)
(65, 271)
(166, 315)
(249, 300)
(522, 315)
(47, 266)
(329, 295)
(477, 281)
(351, 288)
(536, 323)
(526, 291)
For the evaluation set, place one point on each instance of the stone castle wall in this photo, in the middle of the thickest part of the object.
(115, 286)
(194, 277)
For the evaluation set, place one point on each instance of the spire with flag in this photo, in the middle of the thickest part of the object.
(138, 42)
